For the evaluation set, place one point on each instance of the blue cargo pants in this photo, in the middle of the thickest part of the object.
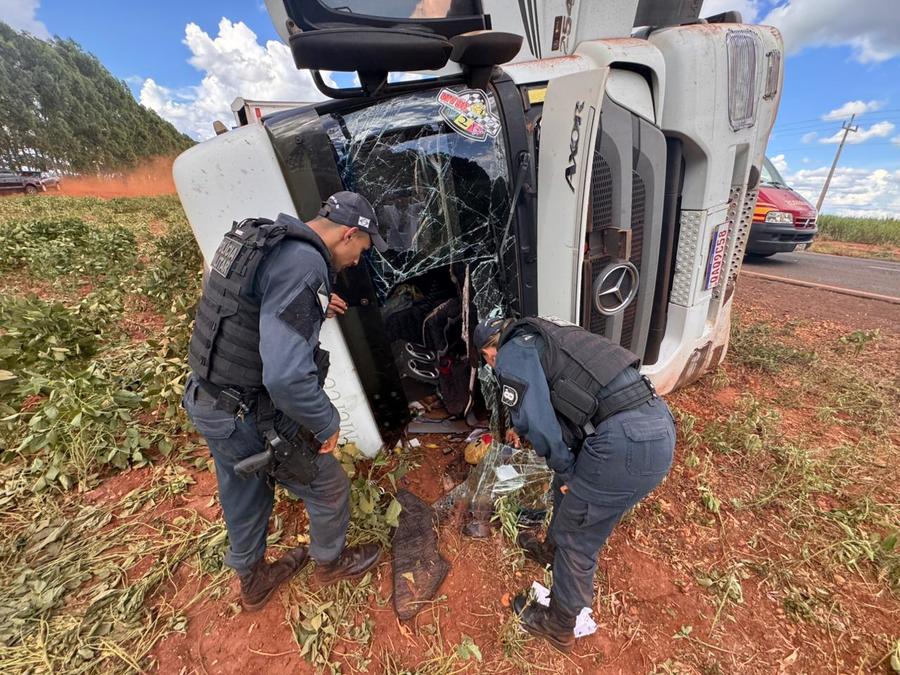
(247, 502)
(619, 465)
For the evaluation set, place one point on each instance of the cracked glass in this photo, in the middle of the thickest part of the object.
(441, 198)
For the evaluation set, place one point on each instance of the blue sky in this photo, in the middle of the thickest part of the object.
(188, 59)
(144, 39)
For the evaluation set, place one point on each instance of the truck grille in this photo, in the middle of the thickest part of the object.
(804, 223)
(600, 217)
(638, 199)
(601, 193)
(597, 323)
(799, 237)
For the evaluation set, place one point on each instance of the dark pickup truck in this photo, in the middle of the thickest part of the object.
(29, 182)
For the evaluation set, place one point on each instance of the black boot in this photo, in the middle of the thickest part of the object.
(263, 579)
(546, 622)
(353, 562)
(539, 550)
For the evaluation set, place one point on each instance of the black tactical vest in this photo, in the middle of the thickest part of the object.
(224, 346)
(578, 366)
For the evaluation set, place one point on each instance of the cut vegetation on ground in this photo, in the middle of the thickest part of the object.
(771, 547)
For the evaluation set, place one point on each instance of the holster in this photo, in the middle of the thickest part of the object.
(292, 460)
(295, 460)
(322, 359)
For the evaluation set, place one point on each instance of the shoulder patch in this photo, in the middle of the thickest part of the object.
(225, 256)
(324, 297)
(303, 313)
(512, 392)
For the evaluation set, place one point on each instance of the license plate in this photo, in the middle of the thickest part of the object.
(802, 247)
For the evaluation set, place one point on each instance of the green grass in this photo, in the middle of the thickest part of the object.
(760, 345)
(880, 231)
(83, 398)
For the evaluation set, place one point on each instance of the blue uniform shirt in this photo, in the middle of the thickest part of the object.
(294, 275)
(526, 394)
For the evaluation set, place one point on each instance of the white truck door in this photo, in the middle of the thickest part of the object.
(569, 128)
(236, 176)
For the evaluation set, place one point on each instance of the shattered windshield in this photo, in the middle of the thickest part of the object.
(440, 190)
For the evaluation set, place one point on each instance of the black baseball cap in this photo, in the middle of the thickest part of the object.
(485, 330)
(353, 210)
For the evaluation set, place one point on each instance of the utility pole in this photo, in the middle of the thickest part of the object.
(847, 127)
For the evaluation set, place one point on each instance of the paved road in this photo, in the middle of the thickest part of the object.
(861, 274)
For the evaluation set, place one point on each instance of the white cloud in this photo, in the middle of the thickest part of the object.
(810, 137)
(749, 9)
(877, 130)
(870, 27)
(853, 108)
(233, 64)
(896, 141)
(779, 162)
(22, 15)
(853, 191)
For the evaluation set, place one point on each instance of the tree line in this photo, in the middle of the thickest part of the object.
(60, 108)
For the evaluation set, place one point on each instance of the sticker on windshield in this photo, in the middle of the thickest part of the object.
(469, 113)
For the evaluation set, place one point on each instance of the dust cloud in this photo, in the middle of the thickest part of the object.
(153, 177)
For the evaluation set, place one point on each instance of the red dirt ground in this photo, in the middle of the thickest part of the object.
(647, 578)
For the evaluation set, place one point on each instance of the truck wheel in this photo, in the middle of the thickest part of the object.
(30, 190)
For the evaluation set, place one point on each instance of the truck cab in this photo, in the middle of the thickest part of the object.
(595, 162)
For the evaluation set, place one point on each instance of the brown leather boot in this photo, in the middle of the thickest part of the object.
(539, 550)
(351, 563)
(546, 622)
(264, 578)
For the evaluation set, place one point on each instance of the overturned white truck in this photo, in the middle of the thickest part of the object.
(594, 161)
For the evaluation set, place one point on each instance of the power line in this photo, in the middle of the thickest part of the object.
(819, 119)
(813, 146)
(822, 125)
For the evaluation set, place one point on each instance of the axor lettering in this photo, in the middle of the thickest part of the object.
(574, 138)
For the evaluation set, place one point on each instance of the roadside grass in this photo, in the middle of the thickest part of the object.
(793, 482)
(872, 251)
(860, 230)
(760, 345)
(834, 499)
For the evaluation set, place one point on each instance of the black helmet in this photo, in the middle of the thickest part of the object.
(487, 329)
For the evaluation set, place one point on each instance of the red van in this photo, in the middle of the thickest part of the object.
(782, 220)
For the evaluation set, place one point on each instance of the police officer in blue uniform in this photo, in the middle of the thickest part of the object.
(256, 392)
(609, 439)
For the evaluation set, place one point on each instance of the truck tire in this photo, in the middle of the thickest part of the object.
(31, 190)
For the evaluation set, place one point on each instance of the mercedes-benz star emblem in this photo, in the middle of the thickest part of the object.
(615, 287)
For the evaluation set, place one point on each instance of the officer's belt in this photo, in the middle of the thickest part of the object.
(630, 396)
(230, 399)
